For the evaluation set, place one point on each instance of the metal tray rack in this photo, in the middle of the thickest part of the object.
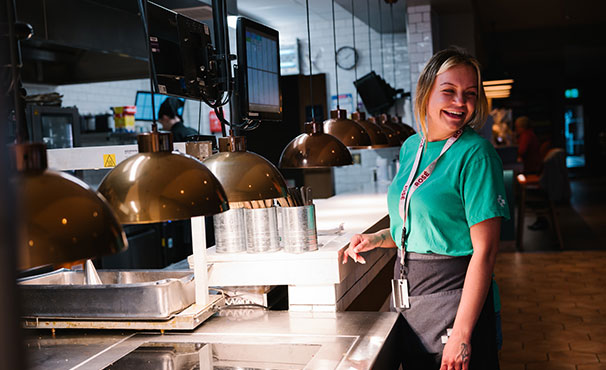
(127, 299)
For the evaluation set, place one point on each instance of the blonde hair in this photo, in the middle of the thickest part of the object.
(439, 63)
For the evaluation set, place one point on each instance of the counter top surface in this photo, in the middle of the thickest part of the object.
(242, 338)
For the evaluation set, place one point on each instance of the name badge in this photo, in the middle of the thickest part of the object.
(399, 293)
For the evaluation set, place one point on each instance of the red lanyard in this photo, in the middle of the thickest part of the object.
(414, 185)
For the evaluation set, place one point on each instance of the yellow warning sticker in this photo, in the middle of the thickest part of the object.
(109, 160)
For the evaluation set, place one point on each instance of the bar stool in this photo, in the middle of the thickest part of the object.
(532, 183)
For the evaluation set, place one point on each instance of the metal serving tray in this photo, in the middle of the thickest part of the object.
(124, 295)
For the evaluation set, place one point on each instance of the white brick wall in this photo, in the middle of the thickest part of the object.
(360, 177)
(420, 42)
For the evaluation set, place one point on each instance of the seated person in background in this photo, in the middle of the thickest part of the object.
(528, 146)
(170, 119)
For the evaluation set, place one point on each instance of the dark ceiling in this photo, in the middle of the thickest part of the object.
(542, 36)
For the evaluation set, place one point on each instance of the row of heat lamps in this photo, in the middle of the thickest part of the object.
(61, 219)
(315, 148)
(64, 220)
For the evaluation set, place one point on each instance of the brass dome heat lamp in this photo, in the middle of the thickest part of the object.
(245, 176)
(347, 131)
(60, 218)
(397, 120)
(393, 137)
(377, 134)
(158, 185)
(313, 148)
(385, 120)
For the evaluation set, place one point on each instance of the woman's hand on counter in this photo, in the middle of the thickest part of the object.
(365, 242)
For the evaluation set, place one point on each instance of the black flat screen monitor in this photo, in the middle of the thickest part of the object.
(181, 49)
(376, 94)
(144, 105)
(258, 71)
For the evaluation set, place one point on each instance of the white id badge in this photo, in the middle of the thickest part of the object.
(399, 293)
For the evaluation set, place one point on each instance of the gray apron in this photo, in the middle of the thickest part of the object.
(435, 287)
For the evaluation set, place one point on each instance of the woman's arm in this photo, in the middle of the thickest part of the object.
(364, 242)
(485, 240)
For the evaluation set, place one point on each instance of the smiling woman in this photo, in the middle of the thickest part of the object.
(450, 87)
(448, 232)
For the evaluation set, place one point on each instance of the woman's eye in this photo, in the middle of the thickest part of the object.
(472, 93)
(449, 91)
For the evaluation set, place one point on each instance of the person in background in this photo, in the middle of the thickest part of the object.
(445, 208)
(170, 119)
(501, 128)
(528, 146)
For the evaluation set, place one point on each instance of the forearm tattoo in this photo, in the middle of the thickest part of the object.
(382, 236)
(464, 353)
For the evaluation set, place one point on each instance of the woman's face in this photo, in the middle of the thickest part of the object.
(452, 101)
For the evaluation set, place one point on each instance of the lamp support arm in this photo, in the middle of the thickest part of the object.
(198, 239)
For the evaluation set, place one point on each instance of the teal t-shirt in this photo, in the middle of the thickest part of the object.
(465, 188)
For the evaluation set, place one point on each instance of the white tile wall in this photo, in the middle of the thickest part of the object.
(420, 42)
(361, 177)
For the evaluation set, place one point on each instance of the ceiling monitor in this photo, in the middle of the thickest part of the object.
(258, 85)
(377, 95)
(182, 53)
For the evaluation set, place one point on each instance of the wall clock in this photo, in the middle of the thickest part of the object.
(347, 57)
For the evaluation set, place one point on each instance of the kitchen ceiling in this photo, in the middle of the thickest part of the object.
(492, 15)
(281, 14)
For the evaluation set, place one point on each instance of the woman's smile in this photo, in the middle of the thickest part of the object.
(452, 101)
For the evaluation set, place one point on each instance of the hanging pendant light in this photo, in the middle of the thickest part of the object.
(393, 138)
(397, 120)
(385, 120)
(159, 185)
(245, 176)
(61, 218)
(378, 137)
(313, 148)
(347, 131)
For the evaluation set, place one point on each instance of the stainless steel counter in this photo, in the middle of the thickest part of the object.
(236, 338)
